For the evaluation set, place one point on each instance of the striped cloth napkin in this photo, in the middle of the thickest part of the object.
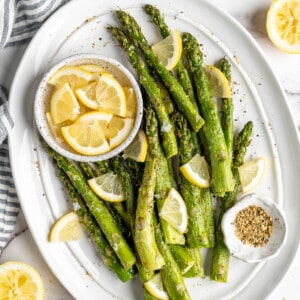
(19, 20)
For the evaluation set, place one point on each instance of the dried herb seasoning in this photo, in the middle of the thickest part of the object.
(253, 226)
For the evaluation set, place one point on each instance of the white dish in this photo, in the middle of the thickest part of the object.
(43, 94)
(258, 97)
(248, 252)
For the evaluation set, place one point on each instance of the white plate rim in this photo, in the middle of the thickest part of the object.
(290, 126)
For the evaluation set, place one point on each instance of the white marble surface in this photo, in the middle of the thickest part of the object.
(252, 15)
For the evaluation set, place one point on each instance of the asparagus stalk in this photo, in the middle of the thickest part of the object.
(128, 189)
(171, 274)
(135, 169)
(222, 180)
(181, 72)
(103, 166)
(183, 257)
(144, 238)
(98, 209)
(197, 269)
(153, 92)
(196, 234)
(106, 252)
(227, 109)
(116, 208)
(221, 255)
(162, 187)
(181, 98)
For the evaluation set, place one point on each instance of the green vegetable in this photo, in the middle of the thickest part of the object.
(152, 90)
(98, 209)
(221, 255)
(107, 254)
(227, 109)
(182, 73)
(180, 97)
(222, 180)
(144, 238)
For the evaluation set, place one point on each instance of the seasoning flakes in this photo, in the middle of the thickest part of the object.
(253, 226)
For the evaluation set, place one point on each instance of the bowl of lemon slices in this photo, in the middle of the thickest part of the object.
(88, 107)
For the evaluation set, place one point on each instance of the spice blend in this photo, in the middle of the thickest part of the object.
(253, 226)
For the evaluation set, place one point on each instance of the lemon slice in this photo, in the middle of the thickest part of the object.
(74, 76)
(19, 280)
(108, 187)
(155, 287)
(169, 50)
(55, 129)
(66, 228)
(86, 135)
(130, 102)
(137, 150)
(283, 25)
(106, 94)
(174, 211)
(218, 83)
(93, 68)
(196, 171)
(64, 105)
(251, 173)
(96, 70)
(118, 130)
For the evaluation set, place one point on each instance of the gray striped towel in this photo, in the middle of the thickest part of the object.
(19, 20)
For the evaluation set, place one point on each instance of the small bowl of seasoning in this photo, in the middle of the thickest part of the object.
(254, 228)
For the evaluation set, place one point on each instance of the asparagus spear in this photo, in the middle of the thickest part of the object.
(144, 238)
(222, 180)
(115, 207)
(153, 92)
(183, 257)
(181, 72)
(162, 187)
(128, 188)
(221, 255)
(196, 234)
(197, 269)
(98, 209)
(227, 109)
(135, 169)
(107, 254)
(181, 98)
(171, 274)
(103, 166)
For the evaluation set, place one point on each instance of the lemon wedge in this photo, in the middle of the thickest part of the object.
(218, 83)
(251, 173)
(137, 150)
(86, 135)
(66, 228)
(93, 68)
(64, 105)
(118, 130)
(55, 129)
(96, 70)
(155, 287)
(130, 102)
(74, 76)
(174, 211)
(283, 25)
(196, 171)
(108, 187)
(106, 94)
(169, 50)
(19, 280)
